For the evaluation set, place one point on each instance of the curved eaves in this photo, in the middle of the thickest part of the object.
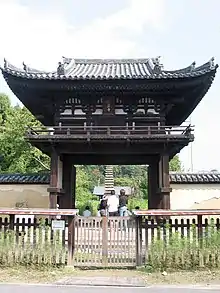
(180, 112)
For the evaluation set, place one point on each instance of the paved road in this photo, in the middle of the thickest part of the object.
(71, 289)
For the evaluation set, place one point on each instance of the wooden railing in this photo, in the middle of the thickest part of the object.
(113, 131)
(184, 237)
(146, 238)
(35, 237)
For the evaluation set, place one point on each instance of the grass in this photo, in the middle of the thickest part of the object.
(33, 274)
(22, 274)
(178, 252)
(199, 277)
(31, 249)
(187, 260)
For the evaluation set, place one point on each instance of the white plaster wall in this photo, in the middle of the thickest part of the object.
(195, 196)
(33, 195)
(183, 196)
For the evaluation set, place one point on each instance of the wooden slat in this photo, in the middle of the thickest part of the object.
(106, 243)
(36, 212)
(175, 212)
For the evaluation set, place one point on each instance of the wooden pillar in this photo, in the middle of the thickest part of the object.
(153, 179)
(55, 180)
(164, 182)
(67, 199)
(159, 183)
(74, 187)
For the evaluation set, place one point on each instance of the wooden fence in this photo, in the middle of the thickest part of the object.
(133, 241)
(184, 238)
(36, 241)
(112, 241)
(105, 242)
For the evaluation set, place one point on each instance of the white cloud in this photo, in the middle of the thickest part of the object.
(41, 39)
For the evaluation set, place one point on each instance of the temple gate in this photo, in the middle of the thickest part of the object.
(127, 111)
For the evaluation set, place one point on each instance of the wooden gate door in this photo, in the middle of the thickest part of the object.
(105, 242)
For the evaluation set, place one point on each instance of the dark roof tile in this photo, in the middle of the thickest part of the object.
(175, 178)
(24, 178)
(101, 69)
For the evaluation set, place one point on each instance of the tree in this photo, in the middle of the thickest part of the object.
(175, 164)
(17, 155)
(84, 196)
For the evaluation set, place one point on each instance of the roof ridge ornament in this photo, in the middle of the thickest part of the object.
(158, 66)
(60, 69)
(5, 64)
(193, 66)
(25, 66)
(65, 66)
(212, 62)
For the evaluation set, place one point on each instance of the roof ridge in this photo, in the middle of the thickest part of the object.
(102, 69)
(111, 60)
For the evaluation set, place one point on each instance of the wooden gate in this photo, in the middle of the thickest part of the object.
(105, 242)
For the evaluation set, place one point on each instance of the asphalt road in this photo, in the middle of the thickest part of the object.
(71, 289)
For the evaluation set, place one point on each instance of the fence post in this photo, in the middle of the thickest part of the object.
(71, 232)
(105, 241)
(200, 230)
(138, 241)
(11, 222)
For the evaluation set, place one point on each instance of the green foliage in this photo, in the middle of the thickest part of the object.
(17, 155)
(21, 250)
(84, 191)
(175, 164)
(186, 253)
(136, 202)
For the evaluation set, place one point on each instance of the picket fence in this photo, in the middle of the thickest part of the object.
(107, 241)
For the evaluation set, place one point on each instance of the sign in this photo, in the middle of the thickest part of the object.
(58, 225)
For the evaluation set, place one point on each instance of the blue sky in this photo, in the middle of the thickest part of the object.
(183, 31)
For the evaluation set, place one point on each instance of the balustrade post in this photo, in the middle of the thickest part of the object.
(139, 260)
(108, 130)
(71, 239)
(105, 241)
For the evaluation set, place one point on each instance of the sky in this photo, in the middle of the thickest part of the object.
(41, 32)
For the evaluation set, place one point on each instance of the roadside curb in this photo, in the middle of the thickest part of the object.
(194, 287)
(103, 281)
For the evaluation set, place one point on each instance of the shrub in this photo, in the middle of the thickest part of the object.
(28, 248)
(185, 253)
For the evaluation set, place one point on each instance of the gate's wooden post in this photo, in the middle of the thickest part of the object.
(71, 234)
(138, 227)
(200, 229)
(105, 241)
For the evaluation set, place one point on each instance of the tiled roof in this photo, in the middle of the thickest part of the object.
(102, 69)
(24, 179)
(175, 178)
(195, 178)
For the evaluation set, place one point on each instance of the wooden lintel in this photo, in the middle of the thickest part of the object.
(55, 190)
